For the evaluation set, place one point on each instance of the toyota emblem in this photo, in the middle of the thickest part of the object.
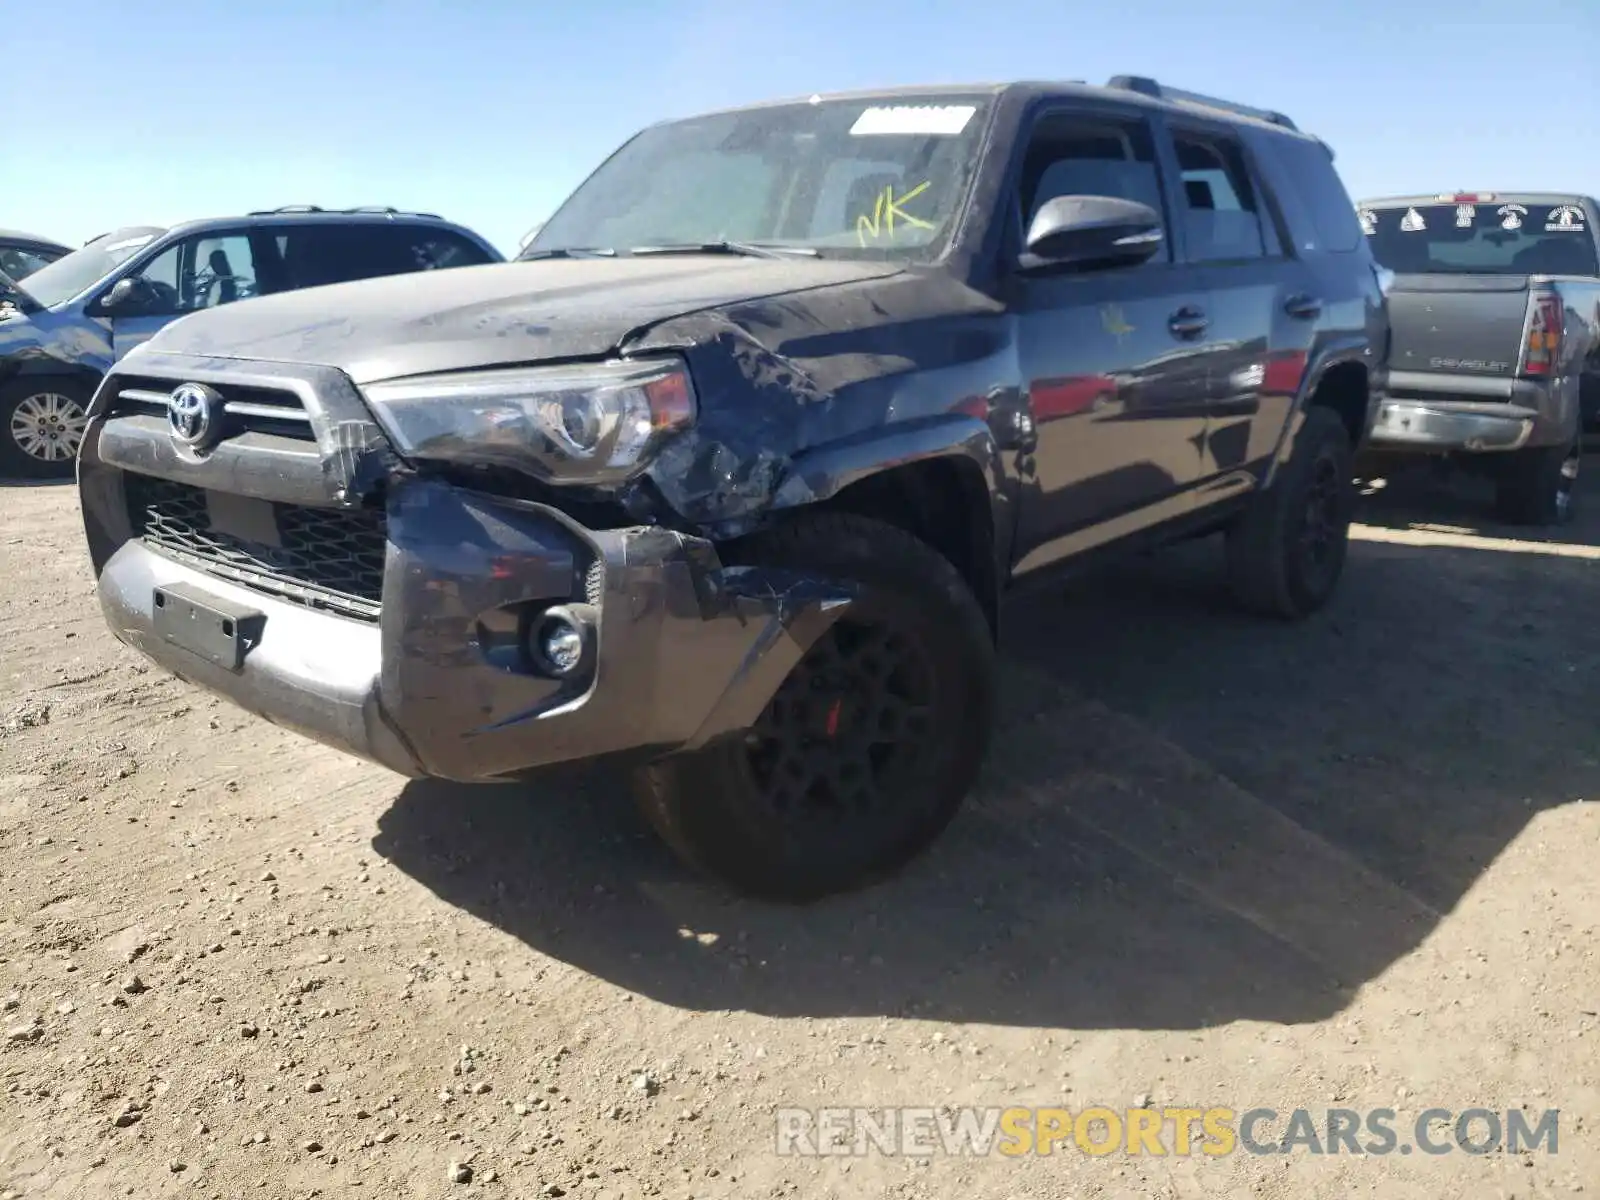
(191, 414)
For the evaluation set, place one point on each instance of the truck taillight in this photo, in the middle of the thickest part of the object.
(1545, 322)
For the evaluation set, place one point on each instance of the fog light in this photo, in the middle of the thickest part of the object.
(561, 639)
(561, 644)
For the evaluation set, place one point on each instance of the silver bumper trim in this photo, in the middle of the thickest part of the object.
(1453, 425)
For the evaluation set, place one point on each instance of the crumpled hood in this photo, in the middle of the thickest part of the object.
(494, 315)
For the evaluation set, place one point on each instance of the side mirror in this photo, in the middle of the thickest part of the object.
(129, 296)
(1082, 231)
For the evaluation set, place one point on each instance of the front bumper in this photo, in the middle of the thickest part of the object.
(686, 649)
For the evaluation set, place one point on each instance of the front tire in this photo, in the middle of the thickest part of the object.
(42, 422)
(870, 745)
(1539, 486)
(1287, 552)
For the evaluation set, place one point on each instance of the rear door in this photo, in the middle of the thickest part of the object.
(1261, 301)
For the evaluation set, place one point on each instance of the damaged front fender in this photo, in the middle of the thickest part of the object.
(805, 394)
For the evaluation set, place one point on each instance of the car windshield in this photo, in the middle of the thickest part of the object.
(865, 178)
(77, 272)
(21, 261)
(1481, 239)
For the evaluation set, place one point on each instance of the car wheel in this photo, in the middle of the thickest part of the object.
(869, 746)
(42, 420)
(1539, 486)
(1286, 552)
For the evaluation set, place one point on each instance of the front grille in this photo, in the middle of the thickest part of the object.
(328, 558)
(275, 411)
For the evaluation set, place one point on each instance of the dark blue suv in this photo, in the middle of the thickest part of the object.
(64, 325)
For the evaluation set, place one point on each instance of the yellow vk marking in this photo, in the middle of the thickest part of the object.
(886, 210)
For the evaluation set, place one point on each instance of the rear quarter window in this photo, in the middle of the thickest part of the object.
(1320, 212)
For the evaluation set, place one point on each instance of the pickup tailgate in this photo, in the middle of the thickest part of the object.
(1458, 324)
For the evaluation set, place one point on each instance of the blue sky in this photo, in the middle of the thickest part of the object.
(490, 111)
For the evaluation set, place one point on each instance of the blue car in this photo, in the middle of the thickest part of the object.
(63, 326)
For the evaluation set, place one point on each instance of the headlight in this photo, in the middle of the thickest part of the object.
(585, 423)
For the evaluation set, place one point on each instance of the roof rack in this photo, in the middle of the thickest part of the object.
(1146, 86)
(379, 209)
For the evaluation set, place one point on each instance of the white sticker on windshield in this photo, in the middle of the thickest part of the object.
(945, 119)
(130, 243)
(1566, 219)
(1511, 216)
(1412, 222)
(1466, 214)
(1369, 222)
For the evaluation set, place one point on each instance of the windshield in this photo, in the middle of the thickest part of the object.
(82, 269)
(857, 178)
(1481, 239)
(21, 261)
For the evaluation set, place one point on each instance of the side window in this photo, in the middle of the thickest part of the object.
(325, 254)
(220, 271)
(1303, 170)
(161, 273)
(435, 250)
(1085, 156)
(1222, 220)
(199, 272)
(322, 254)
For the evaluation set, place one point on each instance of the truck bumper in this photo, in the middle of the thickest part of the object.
(1452, 425)
(443, 683)
(1431, 411)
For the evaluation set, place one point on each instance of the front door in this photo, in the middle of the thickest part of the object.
(196, 273)
(1109, 358)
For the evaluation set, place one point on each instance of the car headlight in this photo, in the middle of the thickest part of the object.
(581, 423)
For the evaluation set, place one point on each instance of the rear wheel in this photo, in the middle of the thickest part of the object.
(1538, 486)
(869, 746)
(1286, 553)
(42, 421)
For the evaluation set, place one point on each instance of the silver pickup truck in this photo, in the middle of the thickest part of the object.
(1494, 309)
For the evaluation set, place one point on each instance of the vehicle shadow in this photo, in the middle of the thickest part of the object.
(1421, 495)
(1189, 816)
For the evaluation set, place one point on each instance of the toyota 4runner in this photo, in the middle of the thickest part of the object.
(731, 471)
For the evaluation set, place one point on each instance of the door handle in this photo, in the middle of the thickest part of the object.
(1188, 322)
(1303, 306)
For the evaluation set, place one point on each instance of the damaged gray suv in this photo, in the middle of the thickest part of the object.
(729, 473)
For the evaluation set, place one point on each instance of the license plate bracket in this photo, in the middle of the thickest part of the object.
(216, 629)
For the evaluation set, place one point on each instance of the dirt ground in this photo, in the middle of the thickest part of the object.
(1215, 862)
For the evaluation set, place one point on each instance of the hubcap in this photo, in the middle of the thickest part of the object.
(48, 426)
(847, 727)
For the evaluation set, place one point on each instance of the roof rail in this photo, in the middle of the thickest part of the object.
(1146, 86)
(390, 211)
(376, 209)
